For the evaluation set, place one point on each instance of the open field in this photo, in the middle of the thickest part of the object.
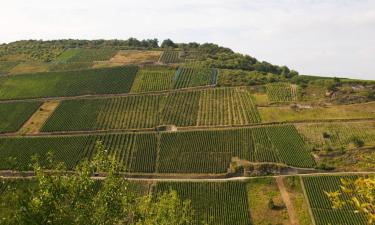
(14, 115)
(321, 206)
(286, 113)
(324, 135)
(153, 80)
(29, 67)
(6, 66)
(53, 84)
(214, 202)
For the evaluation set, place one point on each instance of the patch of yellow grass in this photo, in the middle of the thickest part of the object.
(286, 113)
(261, 99)
(260, 191)
(29, 67)
(37, 120)
(126, 57)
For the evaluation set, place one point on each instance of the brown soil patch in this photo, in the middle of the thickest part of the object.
(36, 121)
(130, 57)
(286, 199)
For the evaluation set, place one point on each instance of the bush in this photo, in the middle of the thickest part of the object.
(358, 142)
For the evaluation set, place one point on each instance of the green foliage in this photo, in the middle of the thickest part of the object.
(213, 202)
(229, 78)
(61, 197)
(168, 43)
(316, 186)
(53, 84)
(14, 115)
(358, 142)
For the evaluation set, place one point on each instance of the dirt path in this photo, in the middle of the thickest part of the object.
(36, 121)
(286, 198)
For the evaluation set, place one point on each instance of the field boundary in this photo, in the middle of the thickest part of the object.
(308, 201)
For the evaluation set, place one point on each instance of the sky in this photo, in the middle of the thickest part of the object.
(317, 37)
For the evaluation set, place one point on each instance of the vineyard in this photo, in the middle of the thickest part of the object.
(214, 202)
(73, 83)
(281, 92)
(225, 106)
(170, 57)
(179, 151)
(325, 135)
(192, 77)
(136, 152)
(14, 115)
(153, 80)
(322, 207)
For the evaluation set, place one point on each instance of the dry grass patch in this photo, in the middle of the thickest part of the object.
(36, 121)
(260, 191)
(29, 67)
(286, 113)
(125, 57)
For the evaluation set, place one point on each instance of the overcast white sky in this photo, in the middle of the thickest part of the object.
(331, 37)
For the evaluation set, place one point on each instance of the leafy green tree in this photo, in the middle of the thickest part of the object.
(168, 43)
(66, 197)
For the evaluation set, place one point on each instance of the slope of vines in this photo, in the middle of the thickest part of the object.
(192, 77)
(322, 207)
(281, 92)
(14, 115)
(170, 56)
(214, 202)
(71, 83)
(153, 80)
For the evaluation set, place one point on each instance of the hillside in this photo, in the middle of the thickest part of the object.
(223, 129)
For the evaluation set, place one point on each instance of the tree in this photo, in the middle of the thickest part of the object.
(168, 43)
(66, 197)
(360, 193)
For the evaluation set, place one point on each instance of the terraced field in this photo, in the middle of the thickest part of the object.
(192, 77)
(207, 151)
(324, 135)
(179, 151)
(214, 202)
(281, 92)
(321, 206)
(73, 83)
(190, 108)
(170, 56)
(227, 106)
(136, 152)
(14, 115)
(181, 109)
(153, 80)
